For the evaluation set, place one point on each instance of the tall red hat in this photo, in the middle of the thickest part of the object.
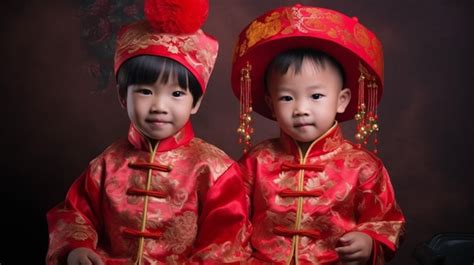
(171, 30)
(356, 48)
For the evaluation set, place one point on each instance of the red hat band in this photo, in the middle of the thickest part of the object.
(302, 27)
(197, 52)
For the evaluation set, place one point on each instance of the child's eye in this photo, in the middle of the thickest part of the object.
(144, 91)
(178, 93)
(285, 98)
(317, 96)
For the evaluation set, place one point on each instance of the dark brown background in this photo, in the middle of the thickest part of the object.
(53, 125)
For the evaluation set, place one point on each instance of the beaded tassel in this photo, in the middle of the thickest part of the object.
(245, 129)
(366, 115)
(360, 115)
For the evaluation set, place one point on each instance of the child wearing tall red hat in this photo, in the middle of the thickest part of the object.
(316, 197)
(160, 196)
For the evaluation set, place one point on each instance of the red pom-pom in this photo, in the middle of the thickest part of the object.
(176, 16)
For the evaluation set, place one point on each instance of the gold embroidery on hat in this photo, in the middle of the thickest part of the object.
(141, 36)
(263, 30)
(361, 35)
(307, 20)
(378, 59)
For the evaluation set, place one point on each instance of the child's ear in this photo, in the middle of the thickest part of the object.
(195, 109)
(268, 100)
(343, 100)
(123, 102)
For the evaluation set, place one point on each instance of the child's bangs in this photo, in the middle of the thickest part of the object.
(176, 71)
(293, 59)
(148, 69)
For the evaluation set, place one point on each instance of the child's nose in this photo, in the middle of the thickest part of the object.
(300, 109)
(158, 105)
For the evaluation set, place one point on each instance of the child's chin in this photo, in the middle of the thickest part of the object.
(306, 140)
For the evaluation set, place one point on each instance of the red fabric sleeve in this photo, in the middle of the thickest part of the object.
(74, 222)
(224, 227)
(379, 215)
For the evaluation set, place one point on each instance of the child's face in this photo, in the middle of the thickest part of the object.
(305, 104)
(160, 110)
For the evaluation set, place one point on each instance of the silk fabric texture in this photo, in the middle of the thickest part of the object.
(303, 203)
(196, 209)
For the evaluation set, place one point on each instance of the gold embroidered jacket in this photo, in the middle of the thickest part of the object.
(303, 203)
(179, 200)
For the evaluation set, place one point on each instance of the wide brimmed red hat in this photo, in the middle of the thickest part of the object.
(172, 30)
(356, 48)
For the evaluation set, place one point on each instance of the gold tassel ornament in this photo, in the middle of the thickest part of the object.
(245, 129)
(367, 116)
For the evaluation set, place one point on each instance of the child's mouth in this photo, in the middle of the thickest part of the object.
(299, 125)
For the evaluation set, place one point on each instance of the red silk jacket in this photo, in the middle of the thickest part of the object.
(179, 201)
(303, 203)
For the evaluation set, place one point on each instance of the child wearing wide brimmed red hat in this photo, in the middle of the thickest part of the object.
(316, 197)
(161, 196)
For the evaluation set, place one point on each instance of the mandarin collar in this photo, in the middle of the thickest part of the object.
(326, 143)
(182, 137)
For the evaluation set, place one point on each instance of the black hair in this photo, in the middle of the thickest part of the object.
(145, 69)
(283, 61)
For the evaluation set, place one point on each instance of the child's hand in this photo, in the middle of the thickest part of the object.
(356, 248)
(83, 256)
